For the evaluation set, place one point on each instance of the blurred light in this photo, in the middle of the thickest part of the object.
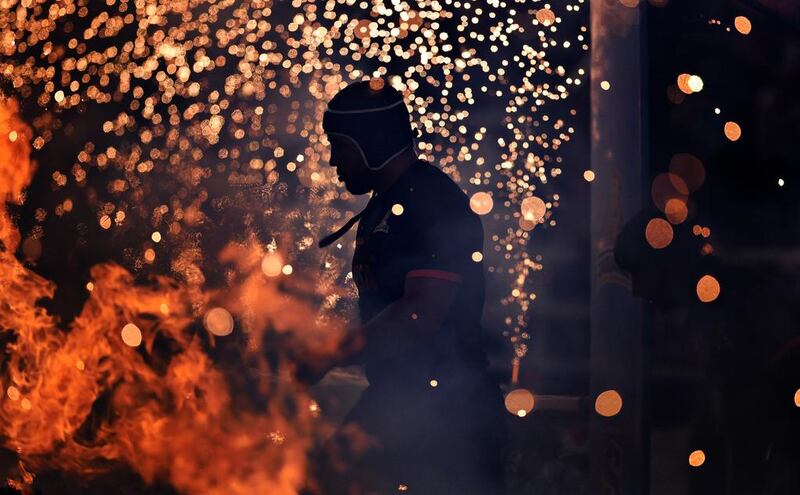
(32, 248)
(733, 131)
(477, 256)
(666, 187)
(219, 322)
(605, 85)
(797, 398)
(156, 236)
(434, 383)
(287, 269)
(708, 288)
(131, 335)
(588, 175)
(742, 24)
(683, 83)
(481, 203)
(658, 233)
(689, 169)
(520, 402)
(780, 182)
(630, 3)
(13, 392)
(717, 111)
(397, 209)
(376, 84)
(676, 211)
(695, 83)
(533, 209)
(608, 403)
(546, 17)
(89, 286)
(697, 458)
(272, 264)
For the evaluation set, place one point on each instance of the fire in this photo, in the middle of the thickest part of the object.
(132, 382)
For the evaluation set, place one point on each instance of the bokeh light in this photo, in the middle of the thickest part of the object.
(676, 211)
(131, 335)
(272, 264)
(520, 402)
(219, 322)
(668, 186)
(533, 209)
(742, 24)
(708, 288)
(689, 169)
(697, 458)
(608, 403)
(732, 131)
(695, 83)
(481, 203)
(658, 233)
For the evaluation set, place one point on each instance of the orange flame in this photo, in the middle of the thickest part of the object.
(81, 400)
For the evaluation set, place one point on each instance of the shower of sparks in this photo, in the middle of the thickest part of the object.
(215, 107)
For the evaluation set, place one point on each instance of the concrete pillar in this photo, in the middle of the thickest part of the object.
(618, 446)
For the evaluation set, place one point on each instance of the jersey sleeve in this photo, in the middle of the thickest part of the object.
(444, 235)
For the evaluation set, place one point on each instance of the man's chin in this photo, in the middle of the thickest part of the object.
(356, 189)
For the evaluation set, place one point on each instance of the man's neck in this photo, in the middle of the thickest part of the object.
(394, 169)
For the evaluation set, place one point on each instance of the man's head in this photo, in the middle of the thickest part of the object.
(367, 125)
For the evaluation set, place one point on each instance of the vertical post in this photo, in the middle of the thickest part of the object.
(618, 446)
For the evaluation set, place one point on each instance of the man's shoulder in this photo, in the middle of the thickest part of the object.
(433, 184)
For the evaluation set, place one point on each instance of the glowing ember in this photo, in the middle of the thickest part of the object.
(608, 403)
(697, 458)
(708, 288)
(658, 233)
(219, 322)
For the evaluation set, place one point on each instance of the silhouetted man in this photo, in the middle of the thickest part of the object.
(430, 421)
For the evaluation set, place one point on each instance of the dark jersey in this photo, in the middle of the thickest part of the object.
(422, 226)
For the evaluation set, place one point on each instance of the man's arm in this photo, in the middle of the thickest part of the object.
(426, 302)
